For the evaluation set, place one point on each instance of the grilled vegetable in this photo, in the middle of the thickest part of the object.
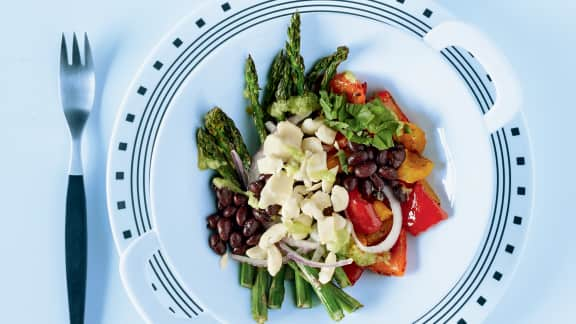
(226, 135)
(252, 93)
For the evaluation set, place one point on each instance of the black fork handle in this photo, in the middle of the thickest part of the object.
(75, 237)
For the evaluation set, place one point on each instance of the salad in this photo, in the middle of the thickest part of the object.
(338, 182)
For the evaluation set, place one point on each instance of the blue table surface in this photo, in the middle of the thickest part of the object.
(539, 38)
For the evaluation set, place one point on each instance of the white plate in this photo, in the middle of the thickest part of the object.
(158, 199)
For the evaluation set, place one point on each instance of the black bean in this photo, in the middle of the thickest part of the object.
(212, 221)
(366, 188)
(229, 211)
(365, 170)
(357, 158)
(224, 196)
(253, 240)
(382, 158)
(220, 248)
(241, 250)
(235, 240)
(255, 187)
(213, 240)
(250, 227)
(224, 229)
(273, 210)
(264, 178)
(350, 183)
(355, 147)
(388, 173)
(328, 211)
(240, 199)
(377, 182)
(371, 152)
(241, 215)
(396, 157)
(261, 215)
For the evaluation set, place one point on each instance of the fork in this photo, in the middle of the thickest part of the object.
(77, 88)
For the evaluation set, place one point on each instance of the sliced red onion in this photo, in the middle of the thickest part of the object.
(301, 244)
(253, 172)
(292, 255)
(255, 262)
(392, 237)
(239, 167)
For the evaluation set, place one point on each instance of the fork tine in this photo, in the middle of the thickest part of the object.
(75, 51)
(63, 52)
(87, 52)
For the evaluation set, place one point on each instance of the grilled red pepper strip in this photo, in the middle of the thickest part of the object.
(421, 211)
(396, 265)
(346, 84)
(362, 214)
(353, 272)
(391, 104)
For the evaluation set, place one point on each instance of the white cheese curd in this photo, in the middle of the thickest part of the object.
(326, 273)
(326, 134)
(274, 260)
(269, 165)
(328, 183)
(316, 165)
(301, 175)
(339, 221)
(339, 198)
(256, 252)
(310, 126)
(291, 208)
(290, 133)
(313, 187)
(312, 144)
(310, 208)
(273, 235)
(300, 190)
(326, 230)
(321, 199)
(276, 191)
(304, 219)
(274, 146)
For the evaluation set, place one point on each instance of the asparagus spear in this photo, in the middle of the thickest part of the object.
(324, 292)
(302, 297)
(228, 137)
(324, 69)
(347, 302)
(274, 77)
(283, 90)
(276, 292)
(293, 53)
(252, 92)
(316, 72)
(247, 275)
(259, 309)
(341, 277)
(337, 58)
(210, 156)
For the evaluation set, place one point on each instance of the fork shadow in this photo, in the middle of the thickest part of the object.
(100, 246)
